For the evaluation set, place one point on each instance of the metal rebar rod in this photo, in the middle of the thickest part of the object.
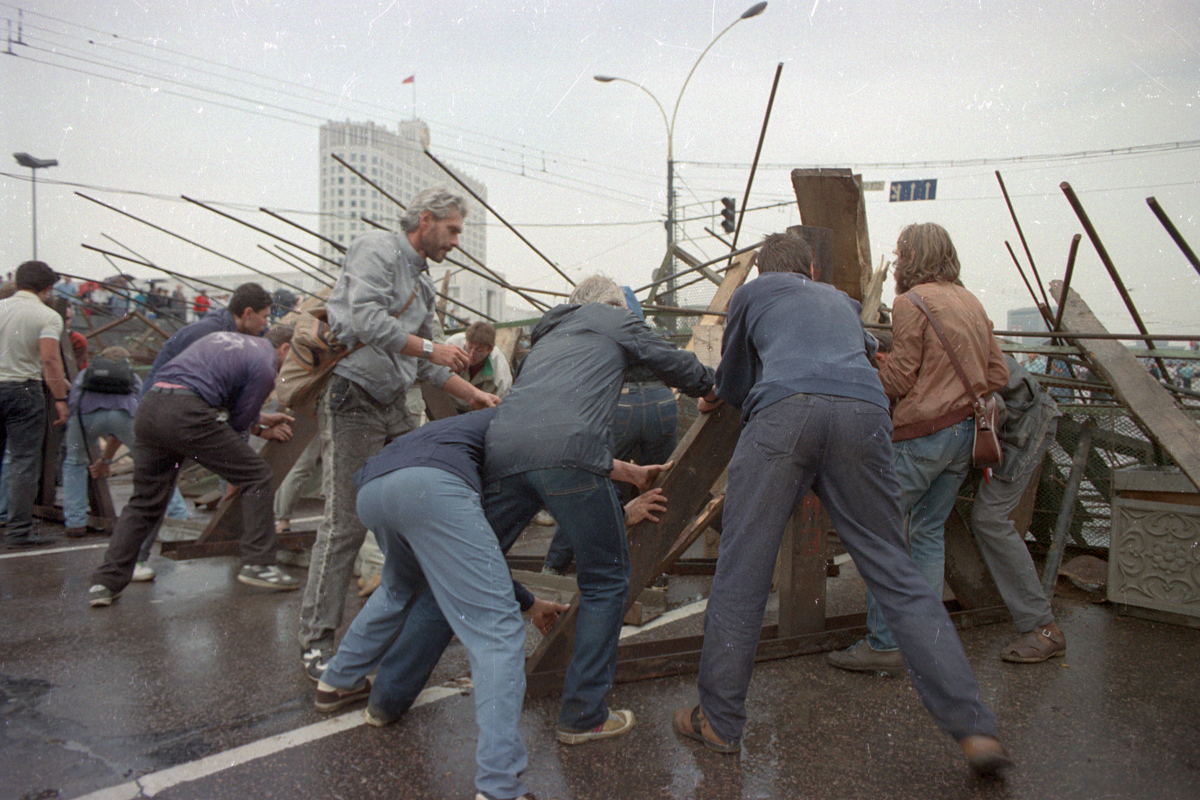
(1067, 510)
(1066, 284)
(1043, 309)
(757, 152)
(495, 275)
(305, 273)
(1109, 265)
(1032, 266)
(1175, 234)
(144, 264)
(335, 245)
(149, 263)
(484, 203)
(462, 305)
(195, 244)
(253, 227)
(519, 290)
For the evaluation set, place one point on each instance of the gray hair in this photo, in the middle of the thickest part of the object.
(439, 201)
(598, 289)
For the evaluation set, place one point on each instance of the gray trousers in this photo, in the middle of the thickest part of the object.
(353, 427)
(842, 449)
(1003, 549)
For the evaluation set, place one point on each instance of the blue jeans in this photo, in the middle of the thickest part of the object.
(102, 422)
(840, 448)
(81, 452)
(22, 425)
(645, 430)
(930, 470)
(599, 540)
(433, 534)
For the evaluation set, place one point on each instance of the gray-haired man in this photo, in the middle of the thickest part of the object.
(383, 300)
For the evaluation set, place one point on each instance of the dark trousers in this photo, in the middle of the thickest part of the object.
(168, 428)
(840, 448)
(22, 427)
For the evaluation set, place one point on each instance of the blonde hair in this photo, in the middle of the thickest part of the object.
(925, 254)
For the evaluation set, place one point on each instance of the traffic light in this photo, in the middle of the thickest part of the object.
(728, 214)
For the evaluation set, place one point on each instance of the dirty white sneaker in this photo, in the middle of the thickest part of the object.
(143, 572)
(268, 577)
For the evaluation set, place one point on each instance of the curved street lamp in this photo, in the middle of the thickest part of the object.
(34, 164)
(752, 11)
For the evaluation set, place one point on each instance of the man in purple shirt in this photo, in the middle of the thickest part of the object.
(202, 405)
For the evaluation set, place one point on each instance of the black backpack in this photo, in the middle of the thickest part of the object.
(108, 376)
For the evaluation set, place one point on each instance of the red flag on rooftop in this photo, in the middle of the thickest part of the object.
(409, 79)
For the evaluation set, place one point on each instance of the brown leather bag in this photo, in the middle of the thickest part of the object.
(986, 453)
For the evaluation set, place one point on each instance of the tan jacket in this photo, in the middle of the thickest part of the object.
(918, 374)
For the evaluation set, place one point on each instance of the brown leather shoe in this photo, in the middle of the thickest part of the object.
(1039, 644)
(692, 723)
(76, 533)
(985, 755)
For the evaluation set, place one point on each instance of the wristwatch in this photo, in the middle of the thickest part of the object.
(426, 348)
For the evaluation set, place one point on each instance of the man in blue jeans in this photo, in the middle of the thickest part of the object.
(795, 359)
(551, 445)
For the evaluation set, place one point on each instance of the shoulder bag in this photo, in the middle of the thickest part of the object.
(986, 453)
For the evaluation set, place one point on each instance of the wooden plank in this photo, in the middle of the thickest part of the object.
(802, 570)
(832, 198)
(1145, 397)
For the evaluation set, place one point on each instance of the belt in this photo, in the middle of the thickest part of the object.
(171, 389)
(637, 386)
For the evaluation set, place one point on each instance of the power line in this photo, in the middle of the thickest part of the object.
(1145, 149)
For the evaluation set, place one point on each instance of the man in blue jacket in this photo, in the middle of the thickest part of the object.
(795, 359)
(551, 445)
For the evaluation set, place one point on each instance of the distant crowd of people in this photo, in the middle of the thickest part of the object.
(881, 430)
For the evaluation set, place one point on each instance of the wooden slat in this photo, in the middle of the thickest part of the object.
(832, 198)
(1145, 397)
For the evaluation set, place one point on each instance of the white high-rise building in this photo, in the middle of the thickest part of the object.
(395, 160)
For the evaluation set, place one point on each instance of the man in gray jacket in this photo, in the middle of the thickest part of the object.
(384, 300)
(550, 444)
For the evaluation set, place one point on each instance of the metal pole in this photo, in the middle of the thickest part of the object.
(1066, 284)
(484, 203)
(1175, 234)
(1012, 213)
(33, 172)
(1067, 511)
(757, 152)
(1112, 269)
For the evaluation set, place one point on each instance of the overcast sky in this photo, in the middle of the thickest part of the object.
(144, 100)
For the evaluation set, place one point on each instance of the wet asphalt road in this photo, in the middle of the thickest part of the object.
(190, 687)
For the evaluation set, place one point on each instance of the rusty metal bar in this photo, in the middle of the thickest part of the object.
(484, 203)
(1067, 511)
(1012, 213)
(303, 272)
(189, 241)
(1175, 234)
(757, 152)
(1111, 267)
(1067, 277)
(252, 227)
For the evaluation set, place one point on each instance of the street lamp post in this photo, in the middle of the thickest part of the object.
(752, 11)
(34, 164)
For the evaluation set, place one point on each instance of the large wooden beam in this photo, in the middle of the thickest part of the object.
(832, 198)
(1133, 385)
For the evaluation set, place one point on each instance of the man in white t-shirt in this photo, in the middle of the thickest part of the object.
(30, 336)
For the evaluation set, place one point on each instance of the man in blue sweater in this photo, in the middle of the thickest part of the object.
(203, 404)
(796, 360)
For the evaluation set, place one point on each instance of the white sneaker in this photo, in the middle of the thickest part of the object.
(143, 572)
(267, 577)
